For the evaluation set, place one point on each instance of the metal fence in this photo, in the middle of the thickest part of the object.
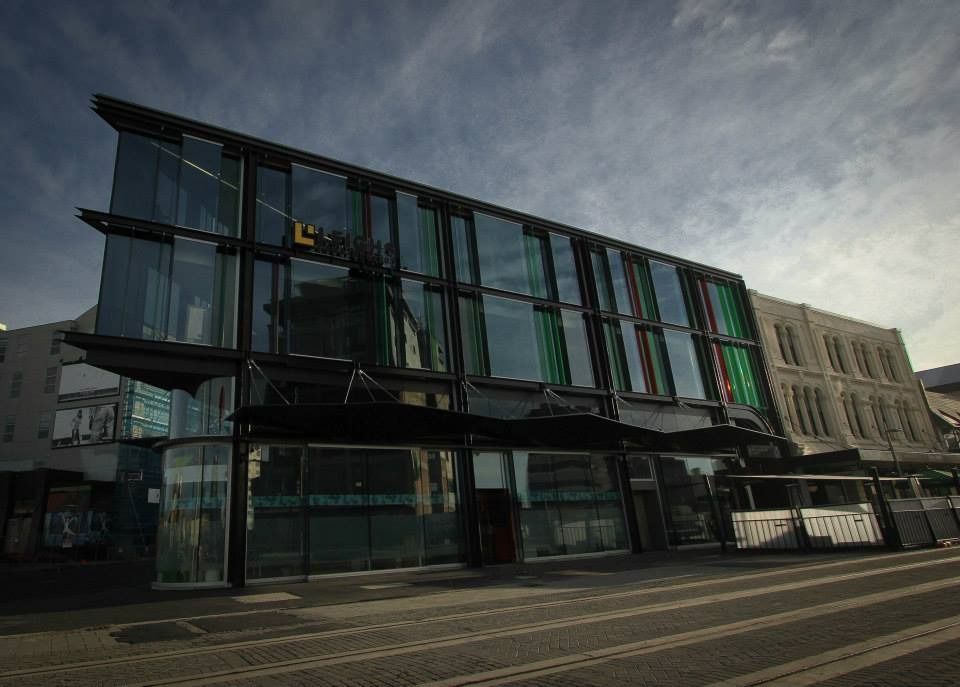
(844, 526)
(926, 521)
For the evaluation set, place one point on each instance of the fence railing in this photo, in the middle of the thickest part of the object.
(834, 527)
(926, 521)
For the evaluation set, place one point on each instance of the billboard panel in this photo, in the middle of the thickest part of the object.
(85, 426)
(81, 381)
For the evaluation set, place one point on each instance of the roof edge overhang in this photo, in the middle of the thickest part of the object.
(163, 364)
(125, 114)
(409, 424)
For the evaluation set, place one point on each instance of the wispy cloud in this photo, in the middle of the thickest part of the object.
(810, 147)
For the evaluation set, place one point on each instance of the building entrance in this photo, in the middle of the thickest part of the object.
(495, 506)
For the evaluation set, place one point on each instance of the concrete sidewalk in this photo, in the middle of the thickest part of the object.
(67, 597)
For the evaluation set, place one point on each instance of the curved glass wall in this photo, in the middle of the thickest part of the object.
(194, 508)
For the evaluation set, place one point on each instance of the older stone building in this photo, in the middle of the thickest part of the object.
(845, 390)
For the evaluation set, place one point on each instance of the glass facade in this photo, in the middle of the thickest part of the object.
(319, 510)
(191, 183)
(423, 290)
(156, 290)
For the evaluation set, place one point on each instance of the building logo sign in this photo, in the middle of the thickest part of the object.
(338, 244)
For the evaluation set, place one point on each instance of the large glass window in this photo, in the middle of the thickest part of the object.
(511, 338)
(332, 313)
(669, 293)
(523, 341)
(690, 514)
(569, 504)
(275, 521)
(738, 374)
(191, 182)
(381, 508)
(194, 507)
(319, 199)
(153, 291)
(424, 334)
(501, 254)
(419, 238)
(723, 308)
(465, 250)
(684, 364)
(203, 413)
(266, 332)
(274, 213)
(565, 270)
(653, 360)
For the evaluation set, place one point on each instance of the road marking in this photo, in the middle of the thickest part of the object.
(829, 664)
(516, 629)
(268, 597)
(588, 659)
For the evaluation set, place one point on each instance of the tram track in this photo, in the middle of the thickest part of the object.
(402, 648)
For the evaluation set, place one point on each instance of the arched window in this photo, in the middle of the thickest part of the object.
(790, 416)
(798, 406)
(884, 363)
(904, 423)
(858, 417)
(782, 343)
(794, 346)
(892, 365)
(808, 405)
(831, 354)
(889, 426)
(858, 357)
(868, 361)
(821, 412)
(877, 419)
(848, 411)
(840, 359)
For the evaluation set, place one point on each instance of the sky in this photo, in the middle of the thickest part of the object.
(812, 147)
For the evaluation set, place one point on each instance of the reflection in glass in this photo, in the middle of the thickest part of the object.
(565, 270)
(205, 412)
(685, 364)
(194, 184)
(579, 362)
(264, 333)
(471, 336)
(669, 292)
(134, 288)
(149, 291)
(418, 236)
(690, 514)
(319, 199)
(501, 254)
(569, 503)
(601, 272)
(536, 250)
(424, 337)
(465, 250)
(191, 536)
(723, 309)
(337, 498)
(273, 206)
(332, 313)
(199, 188)
(738, 375)
(275, 522)
(511, 337)
(395, 528)
(618, 282)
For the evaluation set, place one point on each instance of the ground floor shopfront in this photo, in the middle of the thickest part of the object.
(312, 509)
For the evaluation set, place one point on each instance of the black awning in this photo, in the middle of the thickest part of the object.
(404, 423)
(366, 422)
(713, 437)
(166, 365)
(581, 430)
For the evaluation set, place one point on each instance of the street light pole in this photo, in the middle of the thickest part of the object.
(896, 458)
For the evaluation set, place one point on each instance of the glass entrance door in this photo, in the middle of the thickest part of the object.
(495, 512)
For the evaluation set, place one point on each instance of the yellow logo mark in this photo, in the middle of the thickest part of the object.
(304, 234)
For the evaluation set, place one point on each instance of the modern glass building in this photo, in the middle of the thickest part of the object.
(368, 373)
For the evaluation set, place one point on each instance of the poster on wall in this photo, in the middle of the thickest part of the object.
(82, 381)
(85, 426)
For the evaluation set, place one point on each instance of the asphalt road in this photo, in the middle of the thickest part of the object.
(852, 619)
